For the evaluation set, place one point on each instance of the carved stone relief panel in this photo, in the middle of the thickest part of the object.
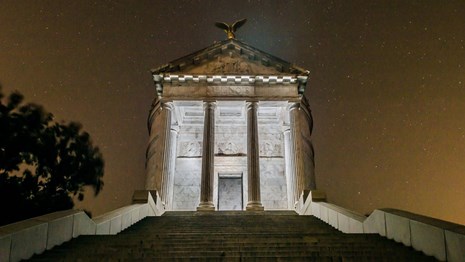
(271, 144)
(190, 141)
(190, 149)
(231, 143)
(228, 148)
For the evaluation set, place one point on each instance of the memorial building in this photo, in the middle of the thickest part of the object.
(230, 129)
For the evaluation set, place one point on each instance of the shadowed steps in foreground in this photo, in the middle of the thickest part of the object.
(232, 236)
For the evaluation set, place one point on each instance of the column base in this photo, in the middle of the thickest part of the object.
(254, 206)
(207, 206)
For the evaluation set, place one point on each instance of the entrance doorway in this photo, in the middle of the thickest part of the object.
(230, 196)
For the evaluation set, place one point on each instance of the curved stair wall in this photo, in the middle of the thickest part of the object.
(443, 240)
(21, 240)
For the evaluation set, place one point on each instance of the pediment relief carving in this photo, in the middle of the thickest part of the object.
(229, 66)
(230, 57)
(232, 64)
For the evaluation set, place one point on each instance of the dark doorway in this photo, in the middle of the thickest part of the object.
(230, 192)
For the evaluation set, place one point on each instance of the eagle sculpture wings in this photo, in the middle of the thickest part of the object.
(230, 29)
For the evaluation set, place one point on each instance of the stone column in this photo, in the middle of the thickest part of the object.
(289, 167)
(167, 154)
(170, 183)
(208, 155)
(158, 151)
(152, 154)
(309, 150)
(253, 158)
(296, 149)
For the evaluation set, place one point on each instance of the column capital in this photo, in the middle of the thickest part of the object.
(251, 104)
(167, 105)
(209, 104)
(293, 105)
(175, 129)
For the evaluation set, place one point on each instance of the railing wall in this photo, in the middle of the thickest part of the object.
(443, 240)
(23, 239)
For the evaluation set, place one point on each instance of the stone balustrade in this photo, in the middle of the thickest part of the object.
(21, 240)
(443, 240)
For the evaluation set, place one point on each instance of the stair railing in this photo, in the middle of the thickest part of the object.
(443, 240)
(21, 240)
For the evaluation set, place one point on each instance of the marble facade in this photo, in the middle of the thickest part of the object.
(230, 129)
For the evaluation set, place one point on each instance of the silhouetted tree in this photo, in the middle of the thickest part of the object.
(43, 164)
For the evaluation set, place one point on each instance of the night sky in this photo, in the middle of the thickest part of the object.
(387, 85)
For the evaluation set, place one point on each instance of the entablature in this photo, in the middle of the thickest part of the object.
(227, 65)
(217, 87)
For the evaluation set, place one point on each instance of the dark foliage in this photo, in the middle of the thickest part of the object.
(43, 164)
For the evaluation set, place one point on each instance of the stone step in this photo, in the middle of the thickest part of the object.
(232, 236)
(267, 247)
(231, 213)
(243, 241)
(126, 254)
(161, 247)
(243, 237)
(250, 241)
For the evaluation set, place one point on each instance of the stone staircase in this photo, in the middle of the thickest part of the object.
(232, 236)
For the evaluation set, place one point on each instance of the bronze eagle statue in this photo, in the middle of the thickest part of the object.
(230, 29)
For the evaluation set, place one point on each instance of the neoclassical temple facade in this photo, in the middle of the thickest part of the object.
(230, 129)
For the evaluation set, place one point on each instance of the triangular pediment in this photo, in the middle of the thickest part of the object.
(230, 57)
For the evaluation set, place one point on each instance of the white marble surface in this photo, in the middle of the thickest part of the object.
(273, 183)
(271, 144)
(230, 195)
(230, 152)
(428, 238)
(398, 228)
(455, 246)
(186, 189)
